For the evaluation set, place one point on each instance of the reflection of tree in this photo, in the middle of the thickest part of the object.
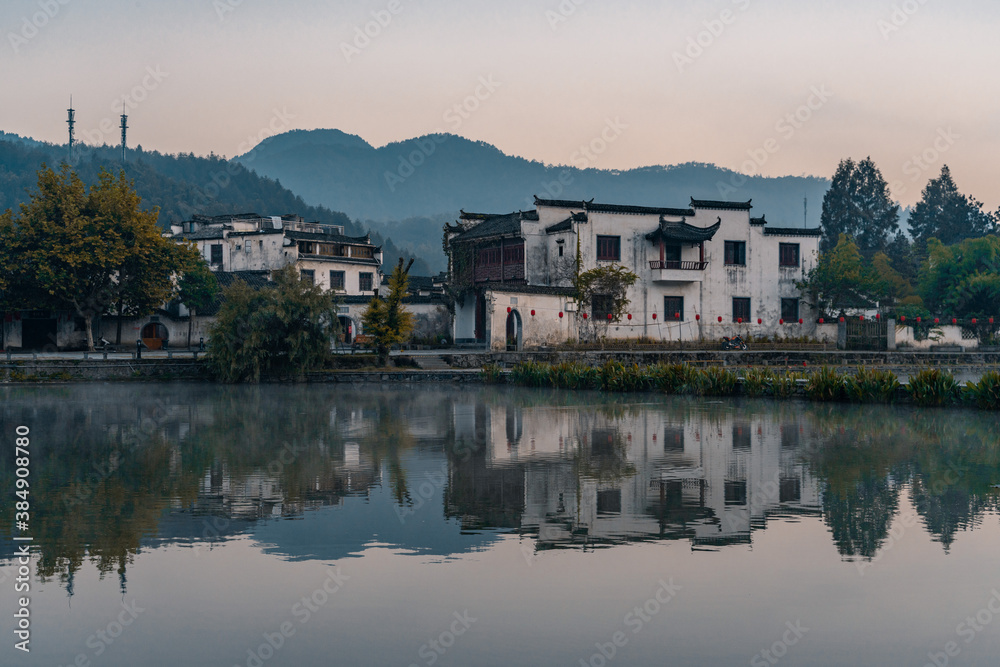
(860, 518)
(947, 511)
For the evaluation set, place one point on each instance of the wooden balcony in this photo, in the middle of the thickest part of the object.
(677, 272)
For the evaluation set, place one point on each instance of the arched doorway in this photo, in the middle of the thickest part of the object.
(155, 336)
(514, 331)
(347, 331)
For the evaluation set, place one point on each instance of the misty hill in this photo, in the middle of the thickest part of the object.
(440, 174)
(180, 185)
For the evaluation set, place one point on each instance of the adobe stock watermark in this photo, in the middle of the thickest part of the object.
(302, 611)
(432, 650)
(919, 164)
(583, 157)
(896, 534)
(33, 24)
(635, 620)
(223, 8)
(698, 44)
(967, 630)
(785, 128)
(221, 179)
(363, 35)
(562, 13)
(104, 638)
(900, 15)
(773, 654)
(455, 116)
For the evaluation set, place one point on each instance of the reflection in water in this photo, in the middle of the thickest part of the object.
(118, 469)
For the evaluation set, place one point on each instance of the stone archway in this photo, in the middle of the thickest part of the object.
(515, 331)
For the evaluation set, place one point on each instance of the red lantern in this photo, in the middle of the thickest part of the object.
(937, 321)
(760, 321)
(532, 313)
(973, 320)
(781, 321)
(902, 318)
(720, 318)
(609, 317)
(841, 319)
(862, 318)
(585, 316)
(697, 318)
(630, 316)
(654, 316)
(821, 320)
(954, 321)
(739, 320)
(677, 316)
(800, 320)
(878, 316)
(919, 319)
(560, 314)
(508, 309)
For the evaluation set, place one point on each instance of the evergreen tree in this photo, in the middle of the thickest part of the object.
(946, 214)
(385, 320)
(858, 204)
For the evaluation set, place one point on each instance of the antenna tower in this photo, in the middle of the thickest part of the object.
(124, 129)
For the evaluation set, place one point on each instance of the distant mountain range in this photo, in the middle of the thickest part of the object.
(409, 188)
(180, 185)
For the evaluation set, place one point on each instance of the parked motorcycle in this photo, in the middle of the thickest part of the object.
(734, 343)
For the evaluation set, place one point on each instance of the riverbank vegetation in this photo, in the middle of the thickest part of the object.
(926, 388)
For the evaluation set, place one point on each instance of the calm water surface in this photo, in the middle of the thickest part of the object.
(204, 525)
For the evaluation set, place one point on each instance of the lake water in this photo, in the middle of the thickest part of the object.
(193, 524)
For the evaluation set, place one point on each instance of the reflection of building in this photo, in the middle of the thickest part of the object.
(590, 479)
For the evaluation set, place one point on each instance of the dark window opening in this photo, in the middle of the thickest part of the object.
(741, 309)
(741, 436)
(673, 308)
(789, 436)
(789, 490)
(560, 249)
(609, 502)
(338, 281)
(602, 306)
(365, 282)
(671, 253)
(788, 254)
(736, 253)
(736, 493)
(216, 257)
(308, 276)
(790, 310)
(609, 248)
(673, 439)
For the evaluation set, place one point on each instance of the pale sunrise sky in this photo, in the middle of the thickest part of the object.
(895, 79)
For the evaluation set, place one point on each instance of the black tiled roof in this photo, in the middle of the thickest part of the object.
(498, 226)
(564, 226)
(758, 221)
(721, 205)
(201, 235)
(683, 232)
(793, 231)
(612, 208)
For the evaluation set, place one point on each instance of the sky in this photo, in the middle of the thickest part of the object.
(771, 87)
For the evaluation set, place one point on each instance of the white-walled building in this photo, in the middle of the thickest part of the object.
(694, 265)
(348, 265)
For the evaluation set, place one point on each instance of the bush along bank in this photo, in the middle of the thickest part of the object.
(927, 388)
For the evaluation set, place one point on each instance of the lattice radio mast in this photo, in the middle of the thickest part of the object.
(124, 129)
(71, 121)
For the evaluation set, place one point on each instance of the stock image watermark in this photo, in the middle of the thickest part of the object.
(582, 158)
(454, 116)
(967, 631)
(302, 611)
(101, 640)
(32, 24)
(432, 650)
(897, 19)
(773, 654)
(371, 30)
(634, 621)
(562, 13)
(22, 522)
(927, 159)
(785, 128)
(698, 44)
